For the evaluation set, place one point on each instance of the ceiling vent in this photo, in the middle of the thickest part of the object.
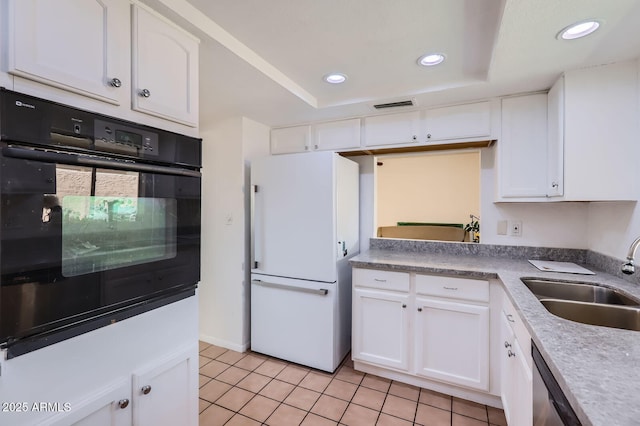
(395, 104)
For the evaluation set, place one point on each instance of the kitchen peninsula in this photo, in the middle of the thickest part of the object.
(594, 366)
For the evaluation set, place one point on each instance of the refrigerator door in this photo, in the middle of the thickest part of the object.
(294, 320)
(294, 216)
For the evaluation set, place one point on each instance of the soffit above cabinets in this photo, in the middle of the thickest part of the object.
(266, 59)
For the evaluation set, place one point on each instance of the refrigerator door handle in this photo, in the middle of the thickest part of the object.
(319, 291)
(252, 205)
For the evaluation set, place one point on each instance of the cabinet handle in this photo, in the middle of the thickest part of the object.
(306, 148)
(145, 93)
(414, 137)
(419, 309)
(146, 389)
(404, 306)
(507, 344)
(450, 288)
(315, 147)
(428, 135)
(554, 184)
(379, 280)
(115, 82)
(123, 403)
(510, 318)
(510, 353)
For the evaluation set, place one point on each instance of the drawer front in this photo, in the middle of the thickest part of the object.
(452, 288)
(384, 280)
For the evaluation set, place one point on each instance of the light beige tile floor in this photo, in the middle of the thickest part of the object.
(253, 389)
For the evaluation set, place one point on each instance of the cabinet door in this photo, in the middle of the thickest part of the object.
(166, 393)
(468, 121)
(109, 406)
(601, 133)
(165, 69)
(516, 382)
(380, 328)
(523, 147)
(392, 129)
(290, 139)
(77, 45)
(452, 342)
(337, 135)
(555, 139)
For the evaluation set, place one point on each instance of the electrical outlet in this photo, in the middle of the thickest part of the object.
(515, 228)
(502, 227)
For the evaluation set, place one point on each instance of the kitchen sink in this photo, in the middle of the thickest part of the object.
(625, 317)
(578, 291)
(587, 303)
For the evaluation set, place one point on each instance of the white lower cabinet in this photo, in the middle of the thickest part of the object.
(515, 369)
(423, 328)
(164, 392)
(452, 342)
(381, 327)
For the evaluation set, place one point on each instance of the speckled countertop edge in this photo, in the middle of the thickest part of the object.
(598, 368)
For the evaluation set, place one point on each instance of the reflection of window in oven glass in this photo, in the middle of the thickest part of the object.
(106, 225)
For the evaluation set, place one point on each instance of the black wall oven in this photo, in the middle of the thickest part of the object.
(99, 220)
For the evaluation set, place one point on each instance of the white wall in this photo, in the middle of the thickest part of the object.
(612, 227)
(224, 313)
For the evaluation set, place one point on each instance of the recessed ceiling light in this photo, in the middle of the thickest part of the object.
(579, 29)
(335, 78)
(431, 59)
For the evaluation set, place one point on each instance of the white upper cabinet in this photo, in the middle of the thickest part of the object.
(523, 148)
(165, 69)
(77, 45)
(290, 139)
(392, 129)
(470, 121)
(337, 135)
(555, 139)
(601, 148)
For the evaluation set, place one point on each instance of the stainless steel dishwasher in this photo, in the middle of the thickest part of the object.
(550, 405)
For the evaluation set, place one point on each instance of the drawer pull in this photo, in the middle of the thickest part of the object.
(507, 344)
(404, 306)
(511, 353)
(379, 280)
(450, 288)
(510, 318)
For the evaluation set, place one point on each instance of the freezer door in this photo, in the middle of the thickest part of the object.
(294, 320)
(294, 216)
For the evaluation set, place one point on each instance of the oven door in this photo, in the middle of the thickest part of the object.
(84, 236)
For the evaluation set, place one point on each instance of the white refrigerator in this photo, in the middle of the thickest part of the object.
(305, 225)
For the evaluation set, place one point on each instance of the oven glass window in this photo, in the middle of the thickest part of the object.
(106, 224)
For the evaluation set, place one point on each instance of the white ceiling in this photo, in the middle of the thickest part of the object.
(265, 59)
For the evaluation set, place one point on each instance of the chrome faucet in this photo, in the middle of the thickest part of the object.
(628, 267)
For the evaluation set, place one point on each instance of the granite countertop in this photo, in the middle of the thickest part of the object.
(598, 368)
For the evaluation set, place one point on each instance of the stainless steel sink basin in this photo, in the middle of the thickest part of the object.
(578, 291)
(624, 317)
(587, 303)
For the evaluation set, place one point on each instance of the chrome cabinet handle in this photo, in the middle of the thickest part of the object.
(404, 306)
(510, 353)
(146, 389)
(115, 82)
(123, 403)
(450, 288)
(428, 135)
(414, 137)
(419, 309)
(554, 184)
(379, 280)
(510, 318)
(507, 344)
(145, 93)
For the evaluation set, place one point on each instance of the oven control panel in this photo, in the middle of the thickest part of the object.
(118, 138)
